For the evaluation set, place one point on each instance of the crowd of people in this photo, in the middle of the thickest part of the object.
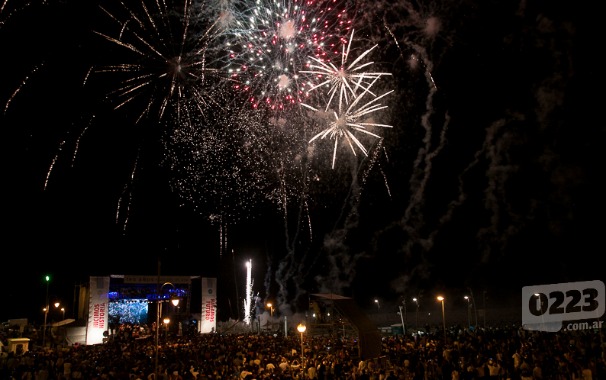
(506, 352)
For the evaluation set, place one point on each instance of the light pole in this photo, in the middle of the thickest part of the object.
(175, 302)
(301, 328)
(270, 306)
(46, 307)
(166, 322)
(468, 311)
(441, 299)
(416, 301)
(63, 313)
(378, 305)
(57, 304)
(45, 310)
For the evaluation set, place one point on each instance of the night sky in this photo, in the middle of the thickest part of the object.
(489, 178)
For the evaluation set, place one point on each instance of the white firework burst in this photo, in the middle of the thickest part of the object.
(167, 56)
(345, 81)
(354, 119)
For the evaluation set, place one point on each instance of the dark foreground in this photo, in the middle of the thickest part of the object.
(497, 353)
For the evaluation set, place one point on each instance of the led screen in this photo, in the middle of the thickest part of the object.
(128, 311)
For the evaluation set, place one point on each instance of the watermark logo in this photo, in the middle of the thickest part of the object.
(547, 307)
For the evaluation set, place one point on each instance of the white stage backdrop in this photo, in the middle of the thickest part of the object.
(98, 309)
(208, 320)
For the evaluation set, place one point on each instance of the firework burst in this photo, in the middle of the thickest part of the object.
(355, 118)
(271, 42)
(168, 64)
(345, 81)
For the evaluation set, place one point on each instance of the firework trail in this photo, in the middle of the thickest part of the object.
(24, 82)
(8, 10)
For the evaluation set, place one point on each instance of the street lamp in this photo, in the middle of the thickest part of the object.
(166, 322)
(63, 313)
(416, 301)
(441, 299)
(378, 304)
(57, 304)
(46, 307)
(271, 309)
(175, 302)
(468, 311)
(45, 310)
(301, 328)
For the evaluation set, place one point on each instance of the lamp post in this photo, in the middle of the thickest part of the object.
(378, 305)
(57, 304)
(468, 311)
(301, 328)
(46, 306)
(270, 306)
(416, 301)
(45, 310)
(441, 299)
(166, 321)
(63, 313)
(175, 302)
